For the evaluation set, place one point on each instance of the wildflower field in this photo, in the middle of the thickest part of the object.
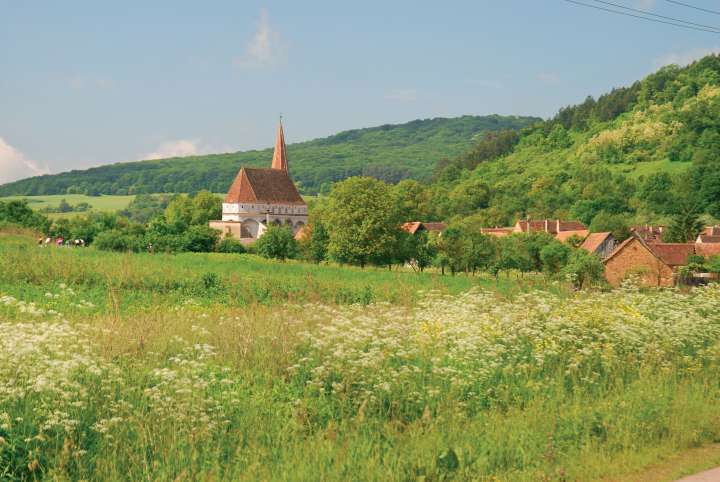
(226, 367)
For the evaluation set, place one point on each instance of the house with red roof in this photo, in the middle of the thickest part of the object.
(601, 244)
(259, 197)
(656, 264)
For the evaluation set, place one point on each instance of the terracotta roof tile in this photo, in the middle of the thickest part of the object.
(269, 186)
(552, 226)
(709, 238)
(673, 254)
(593, 241)
(572, 226)
(712, 231)
(707, 249)
(411, 227)
(435, 226)
(565, 235)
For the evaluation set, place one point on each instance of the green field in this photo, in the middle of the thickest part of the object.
(231, 367)
(97, 203)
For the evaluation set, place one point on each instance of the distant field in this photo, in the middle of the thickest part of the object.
(98, 203)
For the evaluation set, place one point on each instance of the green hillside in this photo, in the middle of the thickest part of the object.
(388, 152)
(646, 151)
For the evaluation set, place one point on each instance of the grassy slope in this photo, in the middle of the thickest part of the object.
(410, 149)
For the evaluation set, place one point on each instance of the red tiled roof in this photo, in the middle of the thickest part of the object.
(572, 226)
(712, 231)
(709, 238)
(707, 249)
(594, 241)
(552, 226)
(412, 227)
(563, 236)
(265, 186)
(673, 254)
(434, 226)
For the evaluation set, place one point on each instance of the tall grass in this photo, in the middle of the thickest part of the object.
(462, 382)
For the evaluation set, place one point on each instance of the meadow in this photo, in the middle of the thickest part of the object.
(230, 367)
(98, 203)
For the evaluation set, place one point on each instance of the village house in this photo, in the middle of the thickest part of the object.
(656, 264)
(601, 244)
(260, 197)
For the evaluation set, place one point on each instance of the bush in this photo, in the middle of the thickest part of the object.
(116, 240)
(230, 245)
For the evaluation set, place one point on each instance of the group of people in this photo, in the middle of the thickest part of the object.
(60, 241)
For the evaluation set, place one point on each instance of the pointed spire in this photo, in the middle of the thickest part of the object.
(279, 160)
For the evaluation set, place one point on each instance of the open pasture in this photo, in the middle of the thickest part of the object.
(97, 203)
(208, 366)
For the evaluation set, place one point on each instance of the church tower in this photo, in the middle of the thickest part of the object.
(279, 160)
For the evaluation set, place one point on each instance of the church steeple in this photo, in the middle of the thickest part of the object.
(279, 160)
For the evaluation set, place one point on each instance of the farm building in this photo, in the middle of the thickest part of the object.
(601, 244)
(260, 196)
(655, 263)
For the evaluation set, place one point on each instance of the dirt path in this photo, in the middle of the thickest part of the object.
(692, 461)
(707, 476)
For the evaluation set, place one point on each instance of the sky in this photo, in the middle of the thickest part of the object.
(86, 83)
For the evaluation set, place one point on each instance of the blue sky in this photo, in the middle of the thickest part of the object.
(84, 83)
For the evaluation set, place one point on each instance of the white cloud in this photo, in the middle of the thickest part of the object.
(14, 165)
(266, 47)
(684, 58)
(402, 95)
(550, 78)
(186, 147)
(176, 148)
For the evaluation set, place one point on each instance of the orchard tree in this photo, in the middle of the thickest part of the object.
(277, 242)
(554, 256)
(363, 222)
(205, 207)
(583, 269)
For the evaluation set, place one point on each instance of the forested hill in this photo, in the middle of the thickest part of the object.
(644, 152)
(388, 152)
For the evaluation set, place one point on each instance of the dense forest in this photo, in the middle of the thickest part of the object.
(389, 152)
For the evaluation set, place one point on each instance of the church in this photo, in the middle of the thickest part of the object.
(259, 197)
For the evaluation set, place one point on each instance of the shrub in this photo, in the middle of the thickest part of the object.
(116, 240)
(278, 242)
(230, 245)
